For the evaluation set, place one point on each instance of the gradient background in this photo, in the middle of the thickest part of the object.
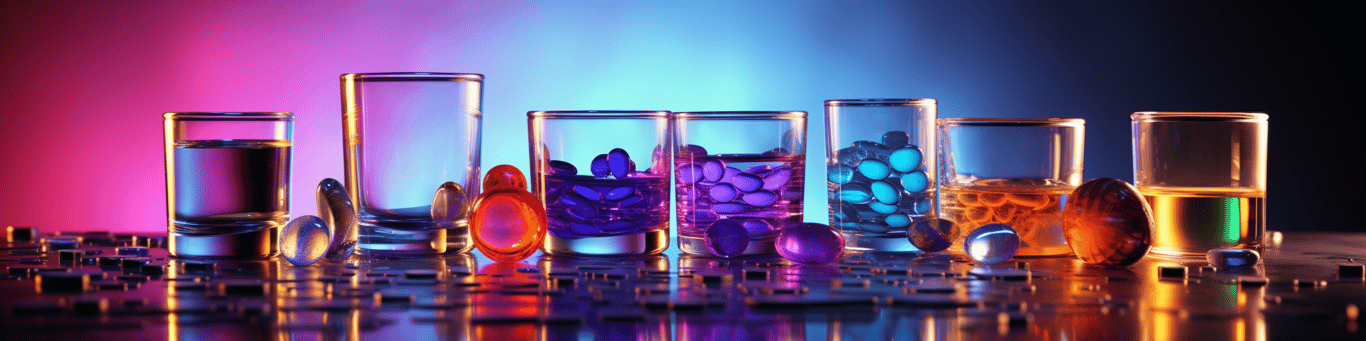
(86, 83)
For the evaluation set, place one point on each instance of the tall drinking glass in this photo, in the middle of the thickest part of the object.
(405, 135)
(1018, 172)
(1204, 173)
(604, 178)
(227, 183)
(883, 143)
(738, 167)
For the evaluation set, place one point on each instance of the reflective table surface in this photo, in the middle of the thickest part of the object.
(1308, 287)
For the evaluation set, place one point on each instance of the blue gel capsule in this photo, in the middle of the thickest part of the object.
(599, 167)
(896, 139)
(923, 206)
(874, 169)
(690, 174)
(722, 193)
(587, 193)
(631, 201)
(618, 225)
(619, 193)
(897, 221)
(846, 211)
(583, 212)
(839, 173)
(727, 208)
(727, 238)
(746, 182)
(757, 227)
(931, 235)
(561, 168)
(760, 198)
(713, 170)
(905, 159)
(777, 178)
(915, 182)
(702, 216)
(882, 208)
(856, 193)
(992, 243)
(848, 225)
(885, 192)
(873, 227)
(619, 163)
(851, 156)
(584, 229)
(1232, 258)
(873, 147)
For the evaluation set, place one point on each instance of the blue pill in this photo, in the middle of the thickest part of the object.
(757, 227)
(931, 235)
(727, 238)
(839, 173)
(874, 169)
(760, 198)
(722, 193)
(777, 178)
(583, 212)
(561, 168)
(690, 174)
(885, 192)
(992, 243)
(619, 163)
(746, 182)
(896, 139)
(587, 193)
(619, 193)
(1232, 258)
(873, 227)
(882, 208)
(618, 225)
(727, 208)
(713, 170)
(584, 229)
(922, 206)
(631, 200)
(897, 220)
(571, 200)
(851, 156)
(599, 166)
(915, 182)
(846, 211)
(855, 193)
(906, 159)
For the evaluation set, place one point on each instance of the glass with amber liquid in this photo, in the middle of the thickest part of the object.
(1205, 176)
(1016, 172)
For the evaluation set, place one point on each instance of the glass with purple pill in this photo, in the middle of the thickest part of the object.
(737, 167)
(604, 179)
(880, 170)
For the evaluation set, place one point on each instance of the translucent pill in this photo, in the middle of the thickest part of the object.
(727, 208)
(896, 139)
(619, 163)
(722, 193)
(931, 235)
(897, 221)
(839, 173)
(905, 159)
(746, 182)
(847, 211)
(561, 168)
(631, 200)
(882, 208)
(873, 227)
(508, 224)
(885, 192)
(923, 206)
(335, 209)
(504, 176)
(713, 170)
(757, 227)
(809, 243)
(727, 238)
(777, 178)
(619, 193)
(873, 147)
(760, 198)
(1232, 258)
(851, 156)
(915, 182)
(690, 174)
(304, 240)
(587, 193)
(599, 167)
(992, 243)
(856, 193)
(874, 169)
(730, 174)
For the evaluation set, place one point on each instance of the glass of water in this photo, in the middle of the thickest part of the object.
(227, 182)
(406, 134)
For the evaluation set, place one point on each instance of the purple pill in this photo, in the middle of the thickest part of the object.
(619, 193)
(618, 225)
(731, 172)
(777, 178)
(757, 227)
(583, 212)
(746, 182)
(619, 163)
(561, 168)
(584, 229)
(809, 243)
(760, 169)
(572, 200)
(727, 238)
(599, 167)
(722, 193)
(690, 174)
(587, 193)
(760, 198)
(713, 170)
(726, 208)
(631, 201)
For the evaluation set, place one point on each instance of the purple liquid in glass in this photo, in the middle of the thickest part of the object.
(726, 189)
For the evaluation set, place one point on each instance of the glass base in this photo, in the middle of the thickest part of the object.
(458, 239)
(1177, 253)
(862, 242)
(377, 241)
(698, 246)
(245, 245)
(647, 243)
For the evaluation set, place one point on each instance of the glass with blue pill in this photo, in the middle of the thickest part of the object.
(880, 168)
(738, 168)
(604, 179)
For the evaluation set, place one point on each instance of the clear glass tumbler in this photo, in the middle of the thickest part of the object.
(405, 135)
(1204, 173)
(604, 178)
(227, 183)
(743, 166)
(1018, 172)
(883, 143)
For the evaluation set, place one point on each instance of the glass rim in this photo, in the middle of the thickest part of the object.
(879, 102)
(704, 115)
(412, 76)
(1012, 122)
(230, 115)
(1199, 116)
(652, 114)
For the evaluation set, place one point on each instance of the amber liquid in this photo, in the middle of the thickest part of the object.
(1187, 222)
(1034, 211)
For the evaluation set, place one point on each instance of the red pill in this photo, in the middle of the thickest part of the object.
(504, 175)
